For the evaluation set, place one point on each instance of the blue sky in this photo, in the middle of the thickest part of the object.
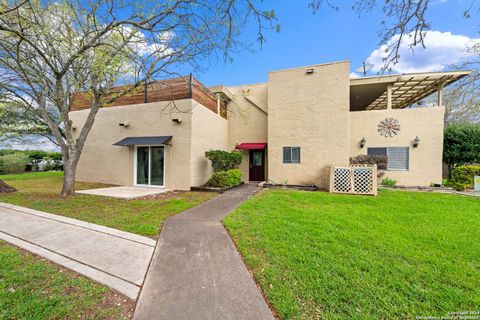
(307, 38)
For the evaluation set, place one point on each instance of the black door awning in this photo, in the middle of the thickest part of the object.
(146, 141)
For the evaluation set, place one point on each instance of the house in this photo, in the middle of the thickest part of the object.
(290, 128)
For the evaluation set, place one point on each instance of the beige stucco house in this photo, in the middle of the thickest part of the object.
(290, 128)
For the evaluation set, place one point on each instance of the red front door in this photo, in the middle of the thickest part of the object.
(257, 165)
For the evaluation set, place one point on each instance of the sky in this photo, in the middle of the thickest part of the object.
(306, 38)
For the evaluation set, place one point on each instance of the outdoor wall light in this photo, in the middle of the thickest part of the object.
(416, 142)
(363, 142)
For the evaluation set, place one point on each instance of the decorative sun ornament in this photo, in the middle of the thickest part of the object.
(389, 127)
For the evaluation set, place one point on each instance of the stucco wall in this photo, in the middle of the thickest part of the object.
(247, 119)
(102, 162)
(209, 131)
(425, 161)
(310, 111)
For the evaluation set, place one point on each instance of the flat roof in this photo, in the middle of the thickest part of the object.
(370, 93)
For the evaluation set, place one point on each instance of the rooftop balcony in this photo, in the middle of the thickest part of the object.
(399, 91)
(163, 90)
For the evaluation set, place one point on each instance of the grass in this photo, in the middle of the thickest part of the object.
(31, 288)
(397, 255)
(40, 191)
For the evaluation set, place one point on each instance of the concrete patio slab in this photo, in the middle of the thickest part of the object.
(127, 193)
(115, 258)
(196, 271)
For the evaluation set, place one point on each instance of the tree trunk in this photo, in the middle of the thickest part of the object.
(5, 188)
(69, 170)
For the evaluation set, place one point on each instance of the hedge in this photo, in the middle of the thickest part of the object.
(223, 179)
(13, 163)
(224, 160)
(462, 177)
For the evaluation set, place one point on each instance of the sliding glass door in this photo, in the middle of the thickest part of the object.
(150, 166)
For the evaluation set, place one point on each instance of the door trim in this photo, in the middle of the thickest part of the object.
(135, 184)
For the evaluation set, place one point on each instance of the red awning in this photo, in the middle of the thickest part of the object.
(251, 146)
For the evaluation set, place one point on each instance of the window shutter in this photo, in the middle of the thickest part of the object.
(397, 158)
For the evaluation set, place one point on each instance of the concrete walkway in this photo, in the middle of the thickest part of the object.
(127, 193)
(115, 258)
(196, 272)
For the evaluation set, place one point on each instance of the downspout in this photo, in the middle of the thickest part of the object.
(190, 84)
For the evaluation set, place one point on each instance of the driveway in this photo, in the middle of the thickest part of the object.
(196, 271)
(115, 258)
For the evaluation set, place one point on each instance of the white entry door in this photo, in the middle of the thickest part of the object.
(150, 166)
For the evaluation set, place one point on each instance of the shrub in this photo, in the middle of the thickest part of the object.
(224, 160)
(366, 159)
(13, 163)
(34, 157)
(4, 152)
(462, 177)
(379, 160)
(223, 179)
(389, 182)
(57, 156)
(52, 165)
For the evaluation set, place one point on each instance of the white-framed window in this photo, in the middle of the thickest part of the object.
(291, 154)
(398, 157)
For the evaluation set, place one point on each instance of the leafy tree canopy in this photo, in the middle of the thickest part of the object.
(461, 144)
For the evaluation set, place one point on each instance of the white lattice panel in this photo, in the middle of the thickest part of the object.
(354, 180)
(362, 180)
(342, 180)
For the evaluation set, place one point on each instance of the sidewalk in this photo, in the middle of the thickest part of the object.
(115, 258)
(196, 271)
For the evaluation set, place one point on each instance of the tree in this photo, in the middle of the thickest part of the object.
(461, 145)
(52, 50)
(20, 125)
(462, 100)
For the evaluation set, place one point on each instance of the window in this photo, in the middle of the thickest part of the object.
(150, 166)
(291, 154)
(257, 158)
(397, 156)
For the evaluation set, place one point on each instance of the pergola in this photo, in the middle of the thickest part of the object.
(400, 90)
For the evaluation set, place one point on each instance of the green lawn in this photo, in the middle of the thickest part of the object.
(31, 288)
(397, 255)
(144, 216)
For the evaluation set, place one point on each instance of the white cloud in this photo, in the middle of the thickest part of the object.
(354, 75)
(442, 49)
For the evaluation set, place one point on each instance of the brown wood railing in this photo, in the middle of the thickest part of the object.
(163, 90)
